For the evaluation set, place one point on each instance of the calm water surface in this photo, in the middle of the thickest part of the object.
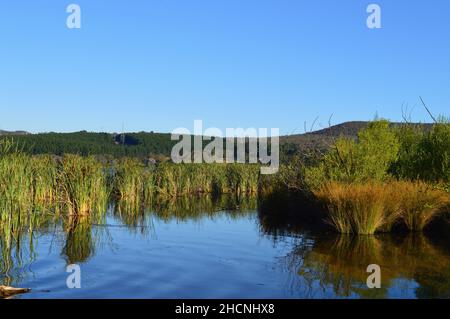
(184, 252)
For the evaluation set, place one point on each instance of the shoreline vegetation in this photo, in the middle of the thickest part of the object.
(390, 177)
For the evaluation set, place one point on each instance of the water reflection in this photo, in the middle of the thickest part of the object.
(340, 264)
(192, 209)
(314, 262)
(17, 242)
(79, 244)
(323, 263)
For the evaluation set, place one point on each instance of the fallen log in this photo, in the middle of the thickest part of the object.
(6, 292)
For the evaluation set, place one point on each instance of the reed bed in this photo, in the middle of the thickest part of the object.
(132, 182)
(374, 206)
(83, 184)
(45, 181)
(16, 190)
(175, 180)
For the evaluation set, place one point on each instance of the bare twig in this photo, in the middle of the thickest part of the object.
(428, 110)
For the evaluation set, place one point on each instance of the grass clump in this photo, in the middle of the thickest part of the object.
(420, 203)
(83, 185)
(374, 206)
(16, 185)
(356, 208)
(133, 182)
(45, 181)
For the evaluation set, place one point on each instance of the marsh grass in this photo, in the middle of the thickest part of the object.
(16, 191)
(132, 183)
(354, 208)
(374, 206)
(83, 184)
(173, 180)
(420, 203)
(45, 181)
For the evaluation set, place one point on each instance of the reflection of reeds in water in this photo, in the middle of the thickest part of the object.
(133, 215)
(79, 245)
(182, 209)
(17, 243)
(342, 263)
(196, 208)
(16, 253)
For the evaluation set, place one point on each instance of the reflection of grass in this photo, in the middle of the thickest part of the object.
(342, 262)
(367, 208)
(13, 243)
(188, 208)
(79, 244)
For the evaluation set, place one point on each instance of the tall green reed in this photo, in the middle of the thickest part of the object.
(83, 183)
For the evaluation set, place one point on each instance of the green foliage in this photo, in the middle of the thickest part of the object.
(435, 149)
(424, 155)
(369, 158)
(377, 149)
(407, 164)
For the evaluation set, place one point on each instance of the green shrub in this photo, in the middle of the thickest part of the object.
(369, 158)
(424, 155)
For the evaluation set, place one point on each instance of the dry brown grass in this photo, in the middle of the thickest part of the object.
(375, 206)
(420, 203)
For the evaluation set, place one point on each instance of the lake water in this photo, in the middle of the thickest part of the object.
(207, 249)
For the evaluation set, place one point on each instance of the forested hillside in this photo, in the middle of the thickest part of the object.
(149, 144)
(86, 143)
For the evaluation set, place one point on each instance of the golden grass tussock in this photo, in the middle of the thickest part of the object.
(375, 206)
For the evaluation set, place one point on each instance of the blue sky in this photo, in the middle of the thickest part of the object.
(158, 65)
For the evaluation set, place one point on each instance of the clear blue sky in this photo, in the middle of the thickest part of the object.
(157, 65)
